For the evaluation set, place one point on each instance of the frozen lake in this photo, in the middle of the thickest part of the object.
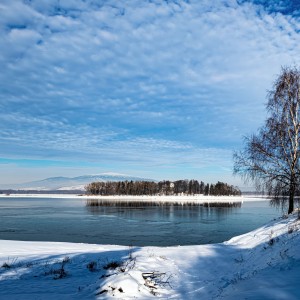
(70, 220)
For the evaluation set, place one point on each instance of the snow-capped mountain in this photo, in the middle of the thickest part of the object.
(71, 183)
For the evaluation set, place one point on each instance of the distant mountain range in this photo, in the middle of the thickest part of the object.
(70, 183)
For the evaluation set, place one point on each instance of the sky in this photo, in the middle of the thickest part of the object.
(157, 89)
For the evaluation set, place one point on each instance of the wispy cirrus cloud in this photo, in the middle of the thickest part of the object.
(146, 81)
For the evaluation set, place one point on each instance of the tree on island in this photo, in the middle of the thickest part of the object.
(270, 158)
(165, 187)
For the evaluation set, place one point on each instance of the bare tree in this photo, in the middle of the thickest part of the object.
(270, 158)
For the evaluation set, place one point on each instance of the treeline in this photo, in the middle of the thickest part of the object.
(221, 188)
(166, 187)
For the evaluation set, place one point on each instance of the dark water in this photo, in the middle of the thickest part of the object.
(70, 220)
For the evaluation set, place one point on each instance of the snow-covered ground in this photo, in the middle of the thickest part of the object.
(262, 264)
(183, 198)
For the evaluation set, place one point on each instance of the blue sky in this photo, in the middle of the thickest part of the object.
(159, 89)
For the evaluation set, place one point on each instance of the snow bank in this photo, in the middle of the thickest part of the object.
(262, 264)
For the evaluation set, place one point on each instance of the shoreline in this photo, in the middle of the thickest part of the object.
(146, 198)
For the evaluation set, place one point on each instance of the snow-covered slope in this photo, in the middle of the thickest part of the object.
(262, 264)
(71, 183)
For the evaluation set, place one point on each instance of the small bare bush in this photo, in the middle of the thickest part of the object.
(9, 263)
(59, 272)
(112, 265)
(92, 266)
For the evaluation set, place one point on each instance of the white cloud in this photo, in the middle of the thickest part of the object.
(147, 81)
